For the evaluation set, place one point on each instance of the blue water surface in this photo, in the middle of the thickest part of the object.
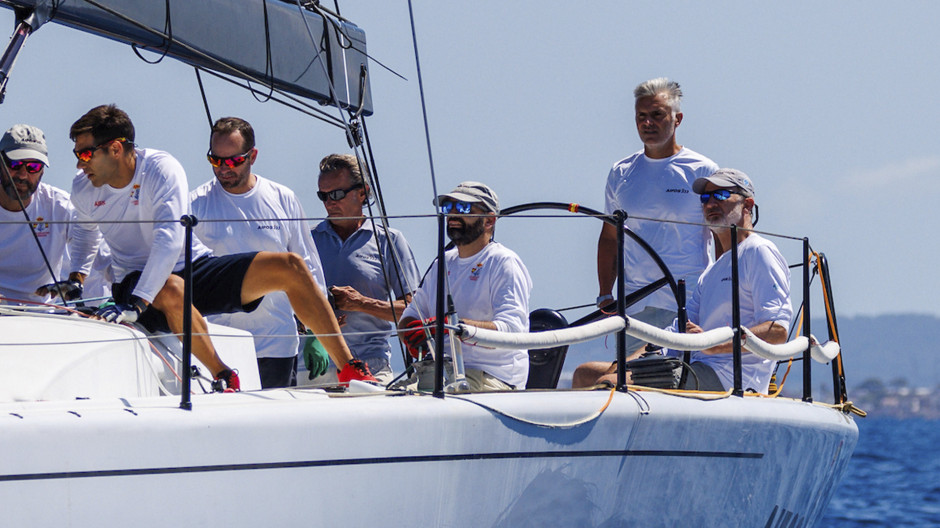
(893, 478)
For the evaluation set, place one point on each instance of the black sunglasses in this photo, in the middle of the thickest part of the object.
(338, 194)
(86, 154)
(32, 167)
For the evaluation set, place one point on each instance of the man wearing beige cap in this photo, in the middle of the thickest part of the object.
(488, 283)
(34, 241)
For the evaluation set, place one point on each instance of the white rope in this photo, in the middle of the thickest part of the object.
(473, 335)
(645, 332)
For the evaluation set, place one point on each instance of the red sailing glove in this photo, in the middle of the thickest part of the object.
(418, 334)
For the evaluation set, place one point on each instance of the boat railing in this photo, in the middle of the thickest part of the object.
(805, 348)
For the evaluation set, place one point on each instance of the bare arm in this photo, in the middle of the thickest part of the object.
(349, 299)
(768, 331)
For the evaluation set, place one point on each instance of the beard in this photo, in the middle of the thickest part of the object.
(466, 232)
(10, 189)
(732, 217)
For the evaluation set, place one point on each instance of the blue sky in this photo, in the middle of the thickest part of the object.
(828, 106)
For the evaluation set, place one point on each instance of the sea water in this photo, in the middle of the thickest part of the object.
(893, 478)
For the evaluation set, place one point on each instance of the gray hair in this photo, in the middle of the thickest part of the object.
(661, 85)
(338, 162)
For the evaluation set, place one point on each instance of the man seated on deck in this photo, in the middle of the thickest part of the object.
(365, 264)
(488, 283)
(727, 199)
(135, 198)
(32, 253)
(237, 192)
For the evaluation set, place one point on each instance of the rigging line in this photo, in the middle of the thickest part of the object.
(226, 67)
(424, 107)
(268, 64)
(32, 229)
(326, 74)
(399, 276)
(296, 103)
(202, 91)
(168, 29)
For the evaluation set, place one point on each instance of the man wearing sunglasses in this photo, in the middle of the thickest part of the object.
(488, 283)
(655, 183)
(727, 198)
(24, 273)
(237, 192)
(369, 267)
(135, 198)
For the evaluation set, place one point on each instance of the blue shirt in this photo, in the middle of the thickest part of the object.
(359, 262)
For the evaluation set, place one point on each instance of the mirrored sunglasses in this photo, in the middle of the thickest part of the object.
(85, 154)
(336, 195)
(720, 195)
(461, 207)
(230, 162)
(32, 167)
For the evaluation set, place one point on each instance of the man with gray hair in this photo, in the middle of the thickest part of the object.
(32, 253)
(488, 283)
(369, 268)
(654, 187)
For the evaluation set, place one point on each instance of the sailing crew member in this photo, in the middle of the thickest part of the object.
(728, 198)
(654, 183)
(365, 262)
(34, 252)
(135, 198)
(238, 193)
(488, 283)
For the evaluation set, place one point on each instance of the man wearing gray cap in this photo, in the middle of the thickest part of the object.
(728, 198)
(488, 283)
(34, 248)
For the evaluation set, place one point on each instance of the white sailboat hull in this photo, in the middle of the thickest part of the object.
(276, 458)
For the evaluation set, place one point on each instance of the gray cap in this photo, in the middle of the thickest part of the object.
(25, 142)
(470, 191)
(726, 178)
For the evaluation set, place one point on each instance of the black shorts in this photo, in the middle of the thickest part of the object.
(217, 288)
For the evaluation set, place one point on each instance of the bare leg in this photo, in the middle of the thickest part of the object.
(170, 302)
(589, 374)
(287, 272)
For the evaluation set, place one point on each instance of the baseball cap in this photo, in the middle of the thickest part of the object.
(25, 142)
(726, 178)
(470, 191)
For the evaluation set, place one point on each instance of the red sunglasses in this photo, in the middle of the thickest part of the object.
(230, 162)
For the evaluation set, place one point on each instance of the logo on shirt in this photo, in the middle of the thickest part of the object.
(41, 228)
(135, 194)
(475, 271)
(271, 227)
(681, 191)
(99, 203)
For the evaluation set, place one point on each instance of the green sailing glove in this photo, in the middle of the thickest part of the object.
(315, 357)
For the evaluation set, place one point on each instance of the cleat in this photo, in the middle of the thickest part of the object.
(226, 381)
(355, 370)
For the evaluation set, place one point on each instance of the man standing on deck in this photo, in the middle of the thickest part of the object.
(135, 198)
(366, 264)
(490, 287)
(236, 193)
(654, 183)
(727, 198)
(24, 272)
